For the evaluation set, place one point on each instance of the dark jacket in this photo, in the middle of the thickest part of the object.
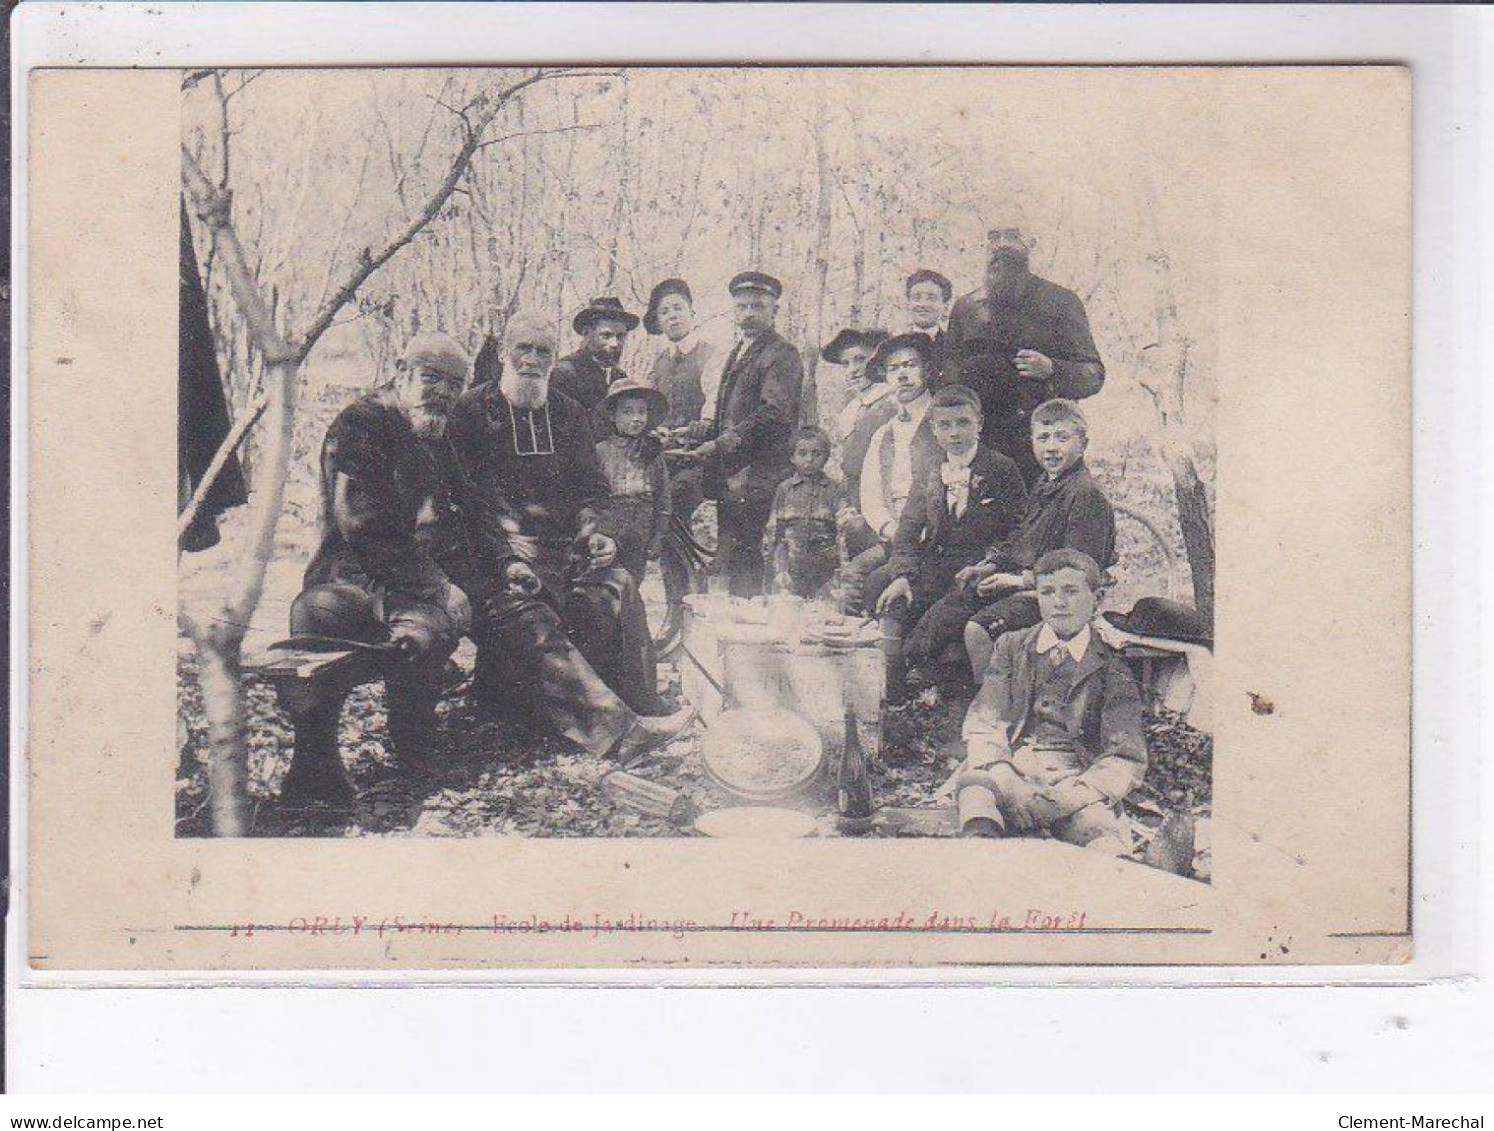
(931, 545)
(1067, 513)
(757, 411)
(982, 347)
(400, 528)
(1102, 710)
(584, 379)
(940, 340)
(523, 504)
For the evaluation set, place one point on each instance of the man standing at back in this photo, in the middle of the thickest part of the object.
(1018, 341)
(585, 375)
(756, 412)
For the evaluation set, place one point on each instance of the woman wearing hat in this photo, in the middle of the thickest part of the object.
(853, 349)
(680, 368)
(633, 461)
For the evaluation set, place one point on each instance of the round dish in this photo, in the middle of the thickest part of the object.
(757, 822)
(761, 755)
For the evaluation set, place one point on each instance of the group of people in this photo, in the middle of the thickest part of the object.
(521, 510)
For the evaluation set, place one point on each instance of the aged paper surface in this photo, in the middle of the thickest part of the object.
(1288, 192)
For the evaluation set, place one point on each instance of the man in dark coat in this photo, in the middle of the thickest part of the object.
(756, 412)
(528, 455)
(959, 507)
(392, 561)
(1019, 341)
(202, 422)
(585, 375)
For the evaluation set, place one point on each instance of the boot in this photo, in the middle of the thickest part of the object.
(647, 734)
(317, 775)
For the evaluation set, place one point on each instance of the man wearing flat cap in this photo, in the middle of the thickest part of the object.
(393, 566)
(1020, 340)
(756, 412)
(585, 375)
(928, 294)
(561, 633)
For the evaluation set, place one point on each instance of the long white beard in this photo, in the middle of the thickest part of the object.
(523, 392)
(428, 425)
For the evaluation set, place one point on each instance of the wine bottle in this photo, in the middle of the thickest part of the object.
(853, 795)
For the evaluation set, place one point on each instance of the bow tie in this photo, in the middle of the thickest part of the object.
(954, 476)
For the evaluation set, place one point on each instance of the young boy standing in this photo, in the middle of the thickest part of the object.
(799, 543)
(1054, 739)
(961, 505)
(1067, 510)
(633, 461)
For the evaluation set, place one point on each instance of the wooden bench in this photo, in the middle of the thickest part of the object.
(302, 679)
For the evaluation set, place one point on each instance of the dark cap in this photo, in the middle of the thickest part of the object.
(608, 308)
(835, 349)
(924, 275)
(755, 281)
(660, 292)
(1160, 618)
(912, 340)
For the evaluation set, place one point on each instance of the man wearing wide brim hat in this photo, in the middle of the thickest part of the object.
(1020, 340)
(585, 375)
(755, 412)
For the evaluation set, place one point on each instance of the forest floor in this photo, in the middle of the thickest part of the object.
(503, 780)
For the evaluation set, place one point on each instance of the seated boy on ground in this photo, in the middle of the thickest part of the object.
(800, 549)
(1067, 510)
(1054, 740)
(969, 501)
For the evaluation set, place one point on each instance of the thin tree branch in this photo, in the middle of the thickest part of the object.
(220, 459)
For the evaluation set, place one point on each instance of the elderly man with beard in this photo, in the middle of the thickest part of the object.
(392, 565)
(561, 631)
(756, 412)
(1019, 341)
(586, 375)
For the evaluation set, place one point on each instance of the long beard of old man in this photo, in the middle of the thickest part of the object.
(524, 392)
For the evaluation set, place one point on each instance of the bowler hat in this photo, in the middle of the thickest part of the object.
(914, 340)
(925, 275)
(660, 292)
(834, 351)
(755, 281)
(1164, 619)
(599, 308)
(658, 403)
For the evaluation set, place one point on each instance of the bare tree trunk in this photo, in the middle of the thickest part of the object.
(1197, 524)
(809, 402)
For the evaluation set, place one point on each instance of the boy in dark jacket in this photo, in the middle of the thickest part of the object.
(632, 459)
(799, 543)
(960, 506)
(1054, 740)
(1066, 510)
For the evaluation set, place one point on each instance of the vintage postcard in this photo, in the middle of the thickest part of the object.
(719, 516)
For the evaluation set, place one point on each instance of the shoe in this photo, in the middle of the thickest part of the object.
(649, 734)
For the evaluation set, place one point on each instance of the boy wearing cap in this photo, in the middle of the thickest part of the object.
(755, 413)
(586, 375)
(637, 512)
(929, 294)
(961, 505)
(1053, 739)
(799, 543)
(679, 370)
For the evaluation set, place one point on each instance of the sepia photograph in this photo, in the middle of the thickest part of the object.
(695, 452)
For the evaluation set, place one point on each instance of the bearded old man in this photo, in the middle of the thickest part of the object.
(562, 634)
(1018, 341)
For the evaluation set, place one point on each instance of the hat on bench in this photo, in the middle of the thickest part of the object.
(1163, 619)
